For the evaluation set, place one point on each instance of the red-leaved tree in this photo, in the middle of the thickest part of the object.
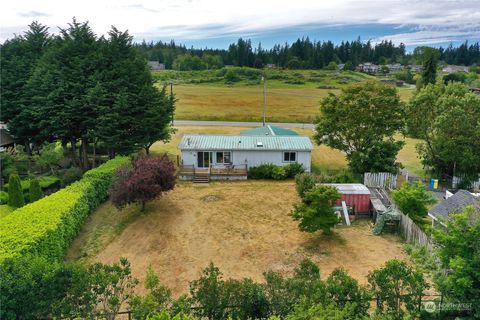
(143, 180)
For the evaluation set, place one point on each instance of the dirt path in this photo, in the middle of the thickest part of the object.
(244, 228)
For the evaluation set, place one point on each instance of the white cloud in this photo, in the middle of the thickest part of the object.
(198, 19)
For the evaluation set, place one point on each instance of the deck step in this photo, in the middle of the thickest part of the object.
(201, 179)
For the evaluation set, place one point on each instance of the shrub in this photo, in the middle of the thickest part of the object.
(293, 169)
(344, 176)
(305, 182)
(278, 173)
(3, 197)
(35, 192)
(71, 175)
(270, 171)
(15, 193)
(413, 200)
(46, 227)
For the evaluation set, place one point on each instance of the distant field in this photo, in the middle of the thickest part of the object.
(324, 158)
(292, 95)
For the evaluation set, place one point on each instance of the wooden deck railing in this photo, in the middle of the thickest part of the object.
(231, 170)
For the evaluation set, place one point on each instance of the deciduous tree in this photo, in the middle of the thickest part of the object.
(398, 289)
(447, 119)
(413, 200)
(459, 256)
(362, 121)
(316, 211)
(146, 179)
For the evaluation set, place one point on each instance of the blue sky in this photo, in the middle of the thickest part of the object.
(217, 23)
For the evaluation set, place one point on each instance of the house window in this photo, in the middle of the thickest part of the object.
(224, 157)
(289, 156)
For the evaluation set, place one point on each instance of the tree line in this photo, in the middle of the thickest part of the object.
(303, 53)
(82, 90)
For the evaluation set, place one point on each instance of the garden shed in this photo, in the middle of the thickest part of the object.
(355, 195)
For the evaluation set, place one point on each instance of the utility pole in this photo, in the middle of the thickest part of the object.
(264, 78)
(171, 97)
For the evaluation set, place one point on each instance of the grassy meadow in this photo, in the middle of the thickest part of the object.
(292, 95)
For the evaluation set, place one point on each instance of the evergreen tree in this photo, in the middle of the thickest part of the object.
(15, 192)
(35, 192)
(429, 66)
(17, 63)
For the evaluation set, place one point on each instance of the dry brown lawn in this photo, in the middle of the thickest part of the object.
(243, 227)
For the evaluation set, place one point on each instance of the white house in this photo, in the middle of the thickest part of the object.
(230, 156)
(452, 69)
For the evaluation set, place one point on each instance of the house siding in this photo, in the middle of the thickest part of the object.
(252, 158)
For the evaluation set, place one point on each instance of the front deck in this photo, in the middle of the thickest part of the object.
(187, 172)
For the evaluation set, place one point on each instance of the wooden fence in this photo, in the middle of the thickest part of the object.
(384, 180)
(458, 180)
(413, 234)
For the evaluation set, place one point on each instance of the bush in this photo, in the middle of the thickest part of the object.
(344, 176)
(3, 197)
(35, 192)
(44, 181)
(268, 171)
(293, 169)
(305, 182)
(413, 199)
(46, 227)
(278, 173)
(71, 175)
(15, 193)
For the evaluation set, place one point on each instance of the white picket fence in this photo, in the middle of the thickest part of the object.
(384, 180)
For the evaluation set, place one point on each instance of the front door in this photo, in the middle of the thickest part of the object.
(204, 159)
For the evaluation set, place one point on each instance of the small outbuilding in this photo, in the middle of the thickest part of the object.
(355, 195)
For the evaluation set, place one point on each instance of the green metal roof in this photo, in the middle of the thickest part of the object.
(268, 131)
(227, 142)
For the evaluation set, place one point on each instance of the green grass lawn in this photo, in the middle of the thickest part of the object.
(292, 95)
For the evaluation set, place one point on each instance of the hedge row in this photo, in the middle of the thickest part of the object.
(47, 226)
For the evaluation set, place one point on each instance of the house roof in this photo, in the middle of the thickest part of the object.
(268, 131)
(5, 138)
(455, 203)
(227, 142)
(349, 188)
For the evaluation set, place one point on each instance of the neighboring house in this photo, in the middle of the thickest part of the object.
(453, 69)
(452, 204)
(415, 67)
(368, 67)
(394, 67)
(155, 65)
(355, 195)
(6, 140)
(230, 156)
(341, 66)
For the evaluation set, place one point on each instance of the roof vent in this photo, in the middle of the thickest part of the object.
(259, 144)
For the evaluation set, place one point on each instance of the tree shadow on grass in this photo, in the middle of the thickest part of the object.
(319, 243)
